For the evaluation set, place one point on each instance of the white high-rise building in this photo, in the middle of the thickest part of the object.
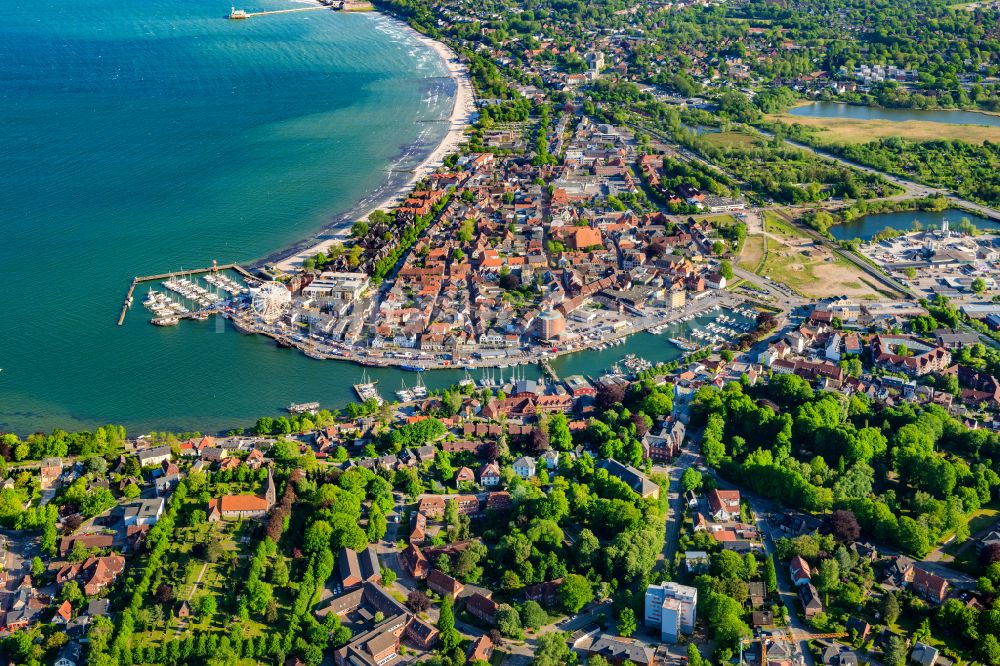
(671, 607)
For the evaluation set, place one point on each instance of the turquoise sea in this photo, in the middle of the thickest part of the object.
(141, 137)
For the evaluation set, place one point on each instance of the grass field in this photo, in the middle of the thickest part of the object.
(851, 130)
(808, 268)
(731, 139)
(723, 220)
(753, 252)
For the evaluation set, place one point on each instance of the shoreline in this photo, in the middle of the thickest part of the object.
(394, 192)
(809, 102)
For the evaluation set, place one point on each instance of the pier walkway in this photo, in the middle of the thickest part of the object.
(181, 273)
(246, 15)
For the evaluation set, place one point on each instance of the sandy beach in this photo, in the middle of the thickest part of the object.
(461, 115)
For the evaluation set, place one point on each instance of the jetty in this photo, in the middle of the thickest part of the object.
(214, 268)
(240, 14)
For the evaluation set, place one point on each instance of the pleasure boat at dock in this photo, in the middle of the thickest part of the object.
(303, 407)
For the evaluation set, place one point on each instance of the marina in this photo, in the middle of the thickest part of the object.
(367, 389)
(181, 284)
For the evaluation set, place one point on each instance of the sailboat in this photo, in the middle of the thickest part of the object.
(419, 391)
(404, 394)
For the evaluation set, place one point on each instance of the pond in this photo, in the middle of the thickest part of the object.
(869, 225)
(856, 112)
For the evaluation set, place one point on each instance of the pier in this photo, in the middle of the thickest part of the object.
(549, 370)
(239, 14)
(181, 273)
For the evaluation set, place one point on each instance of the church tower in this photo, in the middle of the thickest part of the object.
(270, 494)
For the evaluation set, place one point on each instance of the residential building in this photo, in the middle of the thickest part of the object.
(696, 561)
(464, 476)
(444, 584)
(724, 505)
(357, 568)
(49, 472)
(811, 603)
(489, 475)
(924, 654)
(930, 586)
(524, 467)
(94, 573)
(799, 571)
(621, 651)
(153, 455)
(635, 479)
(414, 562)
(144, 512)
(482, 607)
(482, 649)
(671, 607)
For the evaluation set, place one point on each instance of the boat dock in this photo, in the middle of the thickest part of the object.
(163, 276)
(239, 14)
(547, 369)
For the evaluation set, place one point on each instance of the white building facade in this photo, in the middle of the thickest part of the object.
(671, 607)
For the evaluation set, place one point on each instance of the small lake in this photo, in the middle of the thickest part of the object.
(869, 225)
(855, 112)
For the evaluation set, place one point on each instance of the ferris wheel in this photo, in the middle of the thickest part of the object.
(270, 301)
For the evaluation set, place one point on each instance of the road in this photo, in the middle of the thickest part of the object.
(675, 495)
(786, 589)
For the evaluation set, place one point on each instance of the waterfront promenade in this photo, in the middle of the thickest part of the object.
(487, 357)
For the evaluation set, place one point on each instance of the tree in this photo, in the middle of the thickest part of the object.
(418, 601)
(317, 537)
(37, 567)
(552, 650)
(533, 616)
(979, 285)
(694, 657)
(726, 269)
(728, 565)
(890, 608)
(912, 537)
(575, 593)
(770, 575)
(609, 395)
(508, 621)
(198, 517)
(450, 638)
(827, 578)
(376, 524)
(388, 577)
(207, 606)
(895, 652)
(71, 592)
(165, 593)
(657, 404)
(279, 572)
(989, 649)
(843, 525)
(626, 622)
(691, 479)
(131, 491)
